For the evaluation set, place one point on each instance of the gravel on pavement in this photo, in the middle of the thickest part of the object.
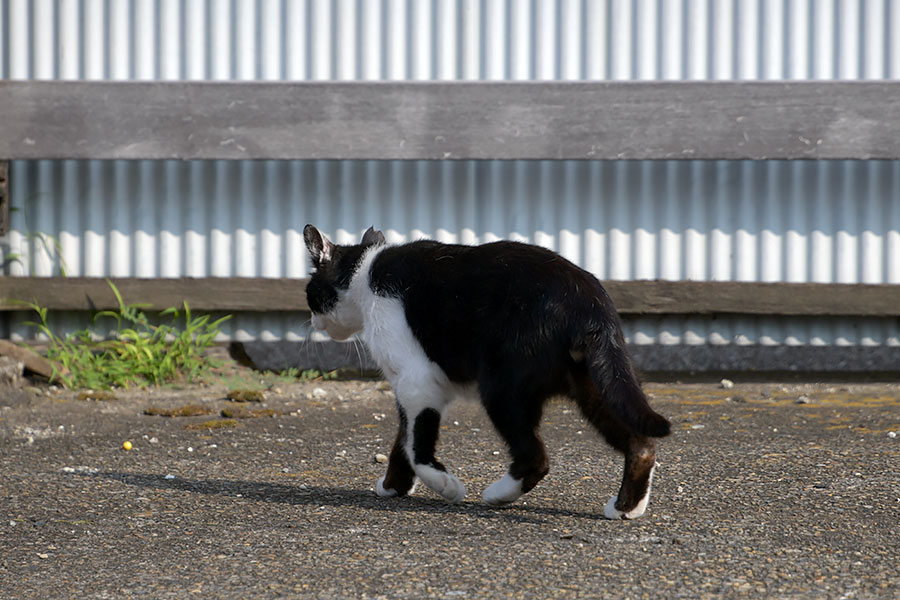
(764, 490)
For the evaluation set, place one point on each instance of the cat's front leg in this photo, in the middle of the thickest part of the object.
(413, 456)
(423, 435)
(400, 478)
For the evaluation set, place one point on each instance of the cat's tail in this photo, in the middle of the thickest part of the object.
(620, 392)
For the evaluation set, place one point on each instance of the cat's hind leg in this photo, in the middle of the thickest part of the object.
(639, 450)
(529, 457)
(637, 476)
(634, 494)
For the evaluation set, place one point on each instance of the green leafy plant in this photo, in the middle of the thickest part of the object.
(140, 354)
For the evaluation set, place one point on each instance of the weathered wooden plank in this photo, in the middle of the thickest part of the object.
(4, 197)
(711, 297)
(450, 120)
(630, 297)
(208, 294)
(33, 361)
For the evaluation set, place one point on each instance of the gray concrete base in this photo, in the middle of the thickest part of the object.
(324, 356)
(768, 359)
(825, 360)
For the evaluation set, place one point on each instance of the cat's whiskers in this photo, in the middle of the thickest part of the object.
(308, 344)
(357, 345)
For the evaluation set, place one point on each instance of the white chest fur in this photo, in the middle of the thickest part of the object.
(392, 344)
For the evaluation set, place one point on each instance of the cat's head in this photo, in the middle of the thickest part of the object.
(333, 311)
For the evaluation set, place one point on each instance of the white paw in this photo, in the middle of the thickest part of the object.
(503, 491)
(453, 490)
(388, 492)
(611, 512)
(446, 484)
(382, 491)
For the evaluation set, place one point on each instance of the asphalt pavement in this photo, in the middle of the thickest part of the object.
(762, 491)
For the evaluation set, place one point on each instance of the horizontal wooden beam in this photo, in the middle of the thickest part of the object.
(207, 294)
(449, 120)
(630, 297)
(752, 298)
(4, 197)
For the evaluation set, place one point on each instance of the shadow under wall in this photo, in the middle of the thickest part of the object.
(654, 361)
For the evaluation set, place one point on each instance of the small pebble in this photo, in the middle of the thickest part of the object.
(381, 458)
(892, 434)
(726, 384)
(319, 393)
(169, 477)
(803, 400)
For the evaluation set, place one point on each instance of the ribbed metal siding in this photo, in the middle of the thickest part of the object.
(770, 221)
(802, 221)
(450, 39)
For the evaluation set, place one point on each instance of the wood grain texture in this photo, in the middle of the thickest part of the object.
(630, 297)
(32, 361)
(208, 294)
(4, 197)
(450, 120)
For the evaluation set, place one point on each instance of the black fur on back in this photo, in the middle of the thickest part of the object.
(520, 321)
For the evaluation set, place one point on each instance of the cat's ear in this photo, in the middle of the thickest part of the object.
(320, 247)
(372, 237)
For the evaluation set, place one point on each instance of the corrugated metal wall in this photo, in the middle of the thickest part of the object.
(450, 39)
(834, 221)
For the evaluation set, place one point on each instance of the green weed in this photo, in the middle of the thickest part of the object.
(140, 354)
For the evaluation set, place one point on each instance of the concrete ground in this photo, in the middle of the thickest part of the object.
(763, 491)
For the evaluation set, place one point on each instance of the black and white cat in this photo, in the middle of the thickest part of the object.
(516, 323)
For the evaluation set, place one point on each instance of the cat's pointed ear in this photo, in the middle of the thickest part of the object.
(372, 237)
(320, 247)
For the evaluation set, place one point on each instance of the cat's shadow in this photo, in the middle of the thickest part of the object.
(340, 497)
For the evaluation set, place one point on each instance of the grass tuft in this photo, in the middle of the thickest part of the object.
(141, 354)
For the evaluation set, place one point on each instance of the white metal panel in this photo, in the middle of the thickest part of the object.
(770, 221)
(171, 218)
